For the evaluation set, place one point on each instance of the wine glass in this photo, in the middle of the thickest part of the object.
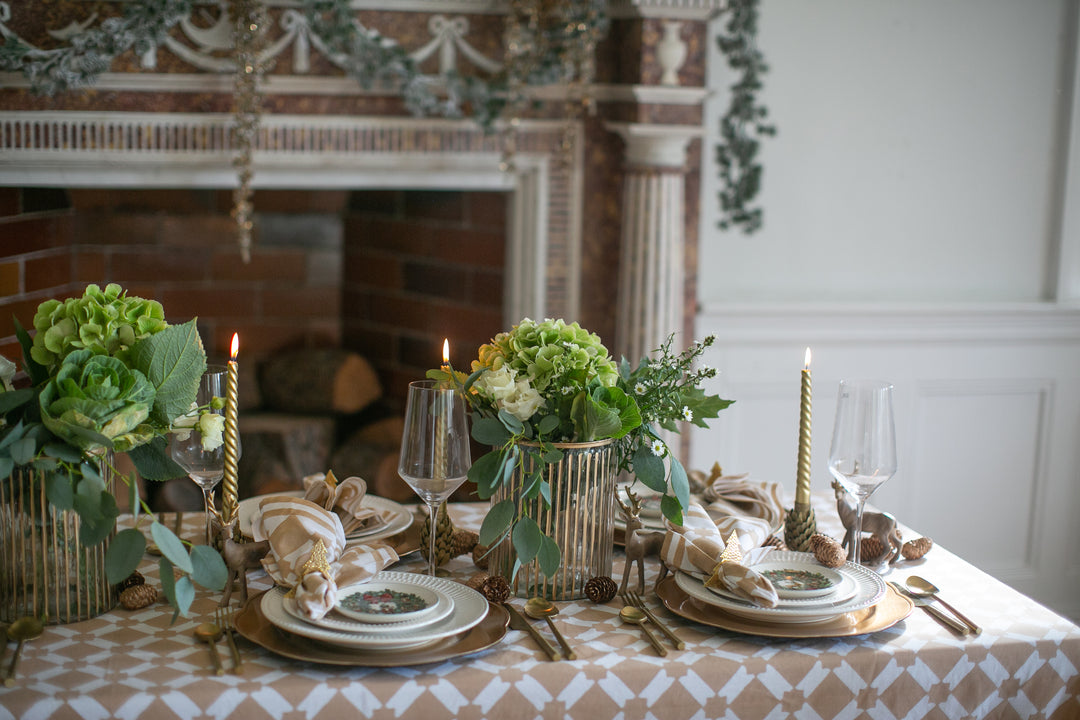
(863, 451)
(205, 467)
(435, 456)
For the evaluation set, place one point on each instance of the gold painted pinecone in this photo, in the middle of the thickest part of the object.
(476, 580)
(915, 549)
(601, 589)
(464, 541)
(135, 578)
(138, 596)
(480, 556)
(799, 526)
(827, 551)
(444, 536)
(872, 549)
(496, 589)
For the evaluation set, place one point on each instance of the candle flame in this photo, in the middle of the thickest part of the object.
(235, 348)
(446, 351)
(807, 361)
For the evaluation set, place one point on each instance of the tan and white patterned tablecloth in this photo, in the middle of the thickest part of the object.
(1026, 664)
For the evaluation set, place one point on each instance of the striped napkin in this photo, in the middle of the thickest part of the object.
(752, 508)
(308, 553)
(697, 547)
(345, 498)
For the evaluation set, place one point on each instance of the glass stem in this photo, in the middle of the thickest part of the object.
(208, 502)
(433, 508)
(856, 546)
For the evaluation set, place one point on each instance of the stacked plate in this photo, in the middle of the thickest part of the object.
(815, 601)
(394, 619)
(398, 518)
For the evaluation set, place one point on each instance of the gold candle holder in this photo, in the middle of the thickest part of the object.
(232, 447)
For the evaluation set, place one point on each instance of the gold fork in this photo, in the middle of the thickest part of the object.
(639, 603)
(224, 621)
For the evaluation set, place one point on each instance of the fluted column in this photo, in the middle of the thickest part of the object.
(651, 269)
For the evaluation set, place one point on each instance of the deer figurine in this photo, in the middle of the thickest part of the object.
(239, 557)
(881, 525)
(639, 543)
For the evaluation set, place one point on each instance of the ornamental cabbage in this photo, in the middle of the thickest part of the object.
(95, 401)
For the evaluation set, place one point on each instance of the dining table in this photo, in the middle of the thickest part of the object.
(147, 663)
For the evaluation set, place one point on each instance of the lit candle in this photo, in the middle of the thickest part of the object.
(802, 485)
(442, 410)
(232, 445)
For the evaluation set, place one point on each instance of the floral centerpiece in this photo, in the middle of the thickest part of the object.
(106, 374)
(550, 382)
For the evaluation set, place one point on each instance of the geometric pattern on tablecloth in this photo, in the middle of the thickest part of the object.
(134, 664)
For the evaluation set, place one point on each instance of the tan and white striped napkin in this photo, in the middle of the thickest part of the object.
(698, 548)
(346, 499)
(752, 507)
(308, 553)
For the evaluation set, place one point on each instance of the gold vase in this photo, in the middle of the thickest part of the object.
(45, 571)
(581, 520)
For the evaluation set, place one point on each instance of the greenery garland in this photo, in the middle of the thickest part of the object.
(743, 124)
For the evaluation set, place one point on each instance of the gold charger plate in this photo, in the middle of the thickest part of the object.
(253, 625)
(890, 610)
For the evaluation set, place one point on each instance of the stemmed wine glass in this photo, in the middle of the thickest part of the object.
(205, 467)
(435, 456)
(863, 451)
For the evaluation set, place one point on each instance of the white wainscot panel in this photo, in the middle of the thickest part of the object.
(969, 436)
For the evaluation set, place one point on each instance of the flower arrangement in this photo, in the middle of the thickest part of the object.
(552, 382)
(107, 373)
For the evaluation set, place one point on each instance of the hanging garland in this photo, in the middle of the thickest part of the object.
(743, 125)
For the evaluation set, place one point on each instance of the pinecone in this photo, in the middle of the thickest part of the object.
(444, 536)
(827, 551)
(601, 589)
(480, 556)
(872, 549)
(135, 578)
(476, 581)
(463, 541)
(915, 549)
(138, 596)
(496, 589)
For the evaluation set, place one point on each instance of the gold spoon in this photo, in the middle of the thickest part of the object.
(923, 587)
(209, 633)
(537, 608)
(23, 629)
(632, 615)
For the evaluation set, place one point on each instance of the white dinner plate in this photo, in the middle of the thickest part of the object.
(333, 620)
(844, 591)
(870, 588)
(400, 518)
(470, 607)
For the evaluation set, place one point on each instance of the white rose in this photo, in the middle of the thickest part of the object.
(211, 425)
(498, 384)
(525, 401)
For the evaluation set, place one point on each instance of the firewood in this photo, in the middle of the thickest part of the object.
(319, 381)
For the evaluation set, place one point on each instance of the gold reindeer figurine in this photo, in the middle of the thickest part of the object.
(239, 557)
(640, 543)
(880, 525)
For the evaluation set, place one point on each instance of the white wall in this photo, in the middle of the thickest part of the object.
(918, 214)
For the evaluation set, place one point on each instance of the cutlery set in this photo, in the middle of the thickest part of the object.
(924, 594)
(211, 632)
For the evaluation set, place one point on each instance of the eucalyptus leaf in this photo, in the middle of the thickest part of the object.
(671, 509)
(526, 537)
(533, 482)
(549, 556)
(62, 451)
(15, 398)
(23, 451)
(45, 464)
(153, 462)
(548, 424)
(167, 579)
(133, 497)
(60, 491)
(489, 431)
(208, 568)
(485, 472)
(680, 483)
(649, 469)
(6, 466)
(184, 595)
(497, 522)
(171, 547)
(124, 554)
(511, 423)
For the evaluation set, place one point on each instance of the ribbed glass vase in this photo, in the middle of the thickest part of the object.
(581, 520)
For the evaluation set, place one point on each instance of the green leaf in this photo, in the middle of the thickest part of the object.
(184, 595)
(46, 464)
(497, 522)
(527, 538)
(553, 455)
(124, 554)
(167, 579)
(208, 569)
(489, 431)
(23, 451)
(532, 485)
(171, 546)
(671, 509)
(680, 483)
(549, 556)
(99, 526)
(14, 398)
(548, 424)
(60, 491)
(153, 462)
(486, 472)
(133, 497)
(62, 451)
(6, 466)
(511, 423)
(173, 361)
(649, 469)
(38, 373)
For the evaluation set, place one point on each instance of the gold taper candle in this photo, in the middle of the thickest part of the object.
(232, 446)
(442, 407)
(802, 484)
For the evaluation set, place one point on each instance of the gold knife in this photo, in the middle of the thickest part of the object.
(953, 624)
(518, 622)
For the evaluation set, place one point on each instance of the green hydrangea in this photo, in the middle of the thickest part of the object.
(97, 396)
(107, 322)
